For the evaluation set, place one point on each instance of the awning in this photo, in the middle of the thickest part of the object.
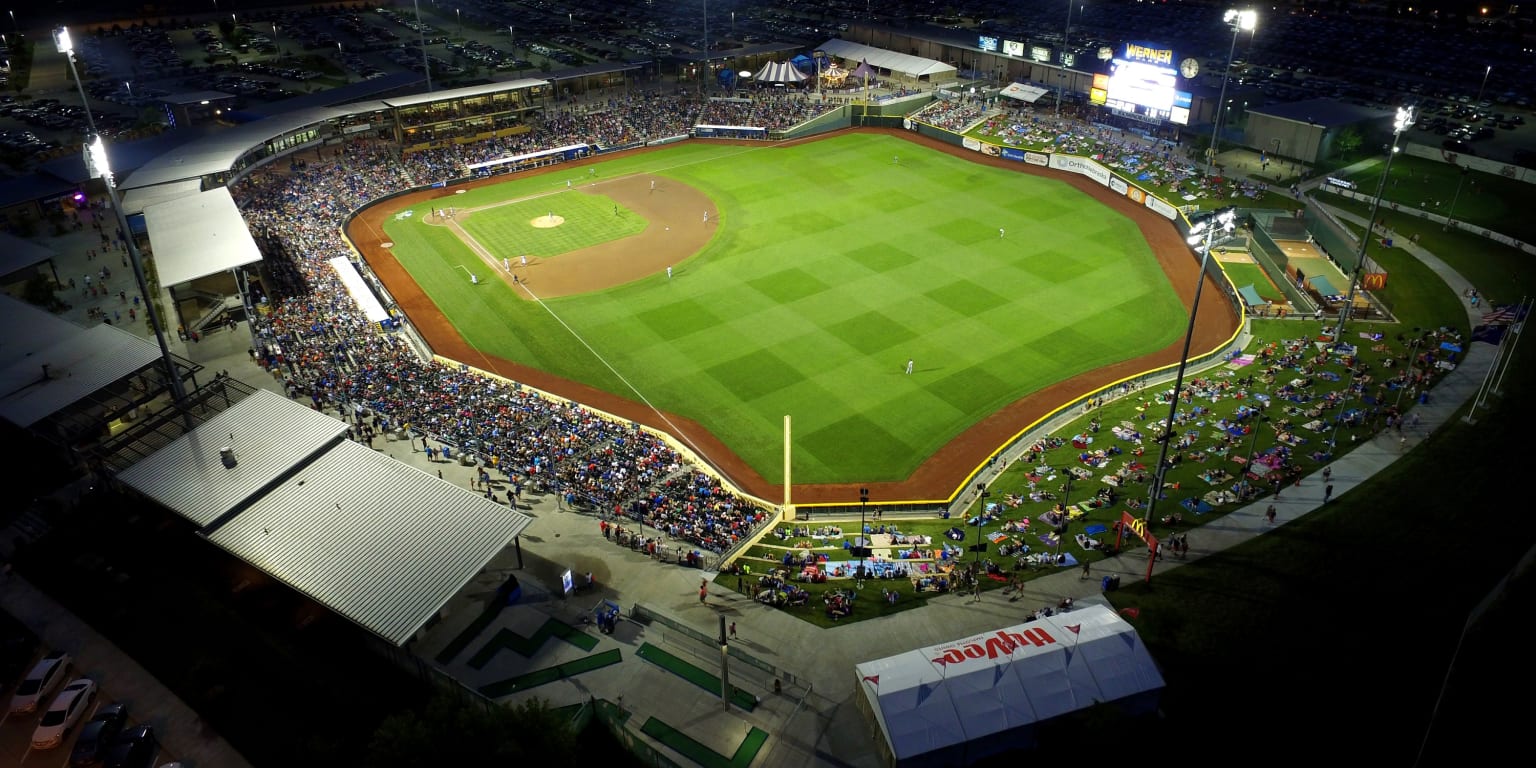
(1250, 296)
(1022, 92)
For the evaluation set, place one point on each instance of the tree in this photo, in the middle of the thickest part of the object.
(1347, 142)
(454, 731)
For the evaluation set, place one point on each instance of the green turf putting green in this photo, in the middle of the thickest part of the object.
(547, 675)
(698, 753)
(703, 679)
(528, 646)
(831, 267)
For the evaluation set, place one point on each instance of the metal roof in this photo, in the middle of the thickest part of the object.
(271, 436)
(195, 97)
(1324, 112)
(374, 539)
(17, 254)
(199, 235)
(78, 365)
(462, 93)
(136, 200)
(44, 329)
(915, 66)
(218, 151)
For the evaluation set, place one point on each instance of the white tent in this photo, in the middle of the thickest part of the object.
(991, 687)
(778, 72)
(1022, 92)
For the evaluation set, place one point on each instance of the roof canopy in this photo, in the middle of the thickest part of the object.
(1023, 92)
(373, 539)
(900, 63)
(189, 478)
(987, 684)
(78, 364)
(17, 254)
(778, 72)
(199, 235)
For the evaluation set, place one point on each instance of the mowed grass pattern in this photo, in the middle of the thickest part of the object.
(830, 267)
(589, 220)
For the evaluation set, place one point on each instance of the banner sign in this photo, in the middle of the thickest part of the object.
(1010, 153)
(1136, 194)
(1080, 165)
(1162, 208)
(972, 144)
(1373, 281)
(1118, 185)
(1037, 158)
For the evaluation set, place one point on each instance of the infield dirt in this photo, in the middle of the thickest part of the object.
(940, 477)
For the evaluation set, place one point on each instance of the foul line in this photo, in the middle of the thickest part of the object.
(676, 430)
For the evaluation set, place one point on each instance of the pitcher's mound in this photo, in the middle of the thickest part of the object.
(545, 222)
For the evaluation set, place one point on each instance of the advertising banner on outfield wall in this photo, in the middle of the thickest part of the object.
(1037, 158)
(1136, 194)
(972, 144)
(1010, 153)
(1080, 165)
(1161, 208)
(1118, 185)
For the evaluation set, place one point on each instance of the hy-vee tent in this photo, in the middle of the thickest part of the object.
(960, 701)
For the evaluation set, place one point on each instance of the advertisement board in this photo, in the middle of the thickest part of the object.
(972, 144)
(1009, 153)
(987, 43)
(1081, 165)
(1013, 48)
(1161, 208)
(1037, 158)
(1118, 185)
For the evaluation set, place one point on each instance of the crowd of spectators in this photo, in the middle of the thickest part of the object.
(952, 114)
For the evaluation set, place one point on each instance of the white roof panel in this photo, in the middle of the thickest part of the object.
(915, 66)
(44, 330)
(78, 364)
(374, 539)
(270, 435)
(199, 235)
(136, 200)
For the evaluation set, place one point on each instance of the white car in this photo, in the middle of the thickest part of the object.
(44, 677)
(67, 709)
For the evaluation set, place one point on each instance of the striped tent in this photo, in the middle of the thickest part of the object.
(778, 72)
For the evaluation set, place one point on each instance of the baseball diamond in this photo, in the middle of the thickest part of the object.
(818, 270)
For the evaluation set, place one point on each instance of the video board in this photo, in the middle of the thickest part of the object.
(1143, 83)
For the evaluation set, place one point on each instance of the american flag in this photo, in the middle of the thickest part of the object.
(1501, 316)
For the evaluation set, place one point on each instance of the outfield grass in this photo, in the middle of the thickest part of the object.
(830, 268)
(1486, 200)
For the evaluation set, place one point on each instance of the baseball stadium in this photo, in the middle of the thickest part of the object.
(834, 356)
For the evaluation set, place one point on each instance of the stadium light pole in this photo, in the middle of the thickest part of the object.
(1066, 502)
(1239, 21)
(426, 68)
(1221, 221)
(1061, 86)
(97, 165)
(1400, 123)
(981, 496)
(863, 545)
(1480, 88)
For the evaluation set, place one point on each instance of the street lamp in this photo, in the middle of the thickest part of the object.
(982, 494)
(459, 17)
(1061, 88)
(1221, 221)
(1239, 21)
(1400, 123)
(98, 166)
(1480, 88)
(818, 55)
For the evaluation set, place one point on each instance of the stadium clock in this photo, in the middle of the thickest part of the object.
(1189, 68)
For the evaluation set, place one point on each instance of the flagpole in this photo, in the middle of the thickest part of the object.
(1482, 386)
(1515, 327)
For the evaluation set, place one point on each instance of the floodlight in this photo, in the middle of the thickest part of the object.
(61, 40)
(96, 163)
(1403, 120)
(1244, 20)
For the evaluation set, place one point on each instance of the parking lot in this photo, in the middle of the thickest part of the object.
(16, 730)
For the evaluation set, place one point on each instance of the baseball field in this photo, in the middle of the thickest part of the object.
(728, 285)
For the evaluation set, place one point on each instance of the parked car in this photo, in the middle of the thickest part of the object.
(133, 748)
(66, 710)
(97, 735)
(44, 677)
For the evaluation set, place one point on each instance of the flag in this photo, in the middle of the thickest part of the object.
(1131, 613)
(1489, 334)
(875, 679)
(1073, 628)
(1501, 316)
